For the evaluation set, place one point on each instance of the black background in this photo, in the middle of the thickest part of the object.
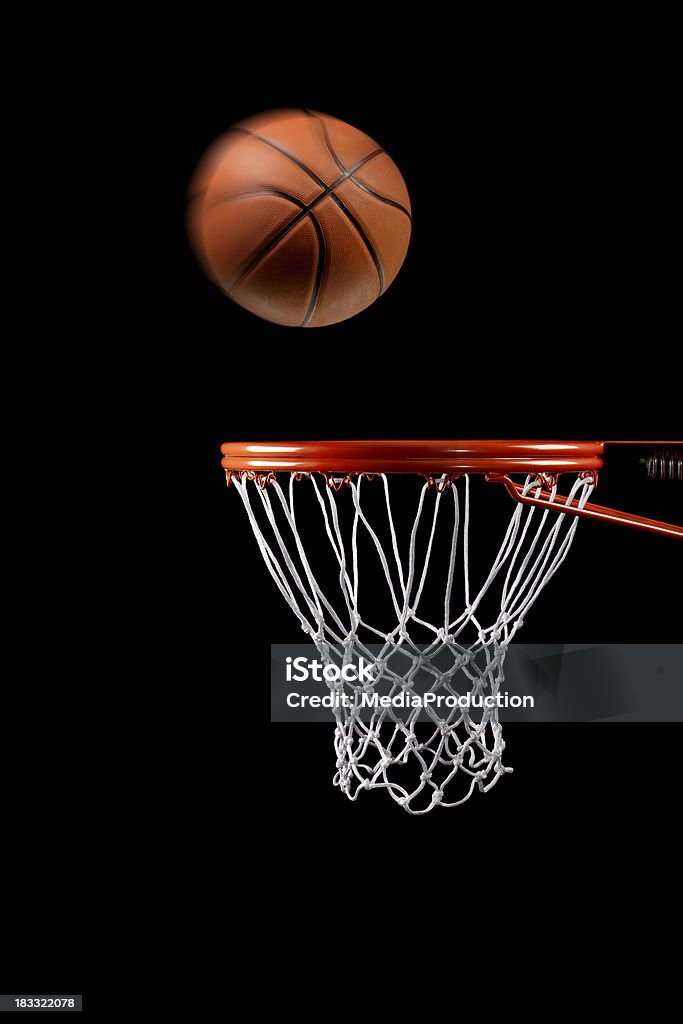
(536, 301)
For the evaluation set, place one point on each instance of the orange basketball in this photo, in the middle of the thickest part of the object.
(299, 217)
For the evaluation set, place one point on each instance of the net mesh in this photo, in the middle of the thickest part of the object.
(329, 578)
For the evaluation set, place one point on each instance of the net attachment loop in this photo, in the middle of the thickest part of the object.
(334, 481)
(441, 484)
(261, 479)
(544, 497)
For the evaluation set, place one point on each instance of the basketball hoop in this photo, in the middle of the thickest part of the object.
(480, 617)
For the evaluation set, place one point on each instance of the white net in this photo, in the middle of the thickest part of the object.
(329, 574)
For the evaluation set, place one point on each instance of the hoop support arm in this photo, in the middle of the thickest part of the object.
(543, 499)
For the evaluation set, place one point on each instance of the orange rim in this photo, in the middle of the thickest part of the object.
(432, 458)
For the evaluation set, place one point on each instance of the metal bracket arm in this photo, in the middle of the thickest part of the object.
(544, 499)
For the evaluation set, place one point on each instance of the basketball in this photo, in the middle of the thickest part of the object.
(299, 217)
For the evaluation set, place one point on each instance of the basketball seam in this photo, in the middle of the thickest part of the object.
(356, 182)
(286, 228)
(290, 156)
(228, 196)
(326, 139)
(356, 223)
(382, 199)
(361, 231)
(319, 270)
